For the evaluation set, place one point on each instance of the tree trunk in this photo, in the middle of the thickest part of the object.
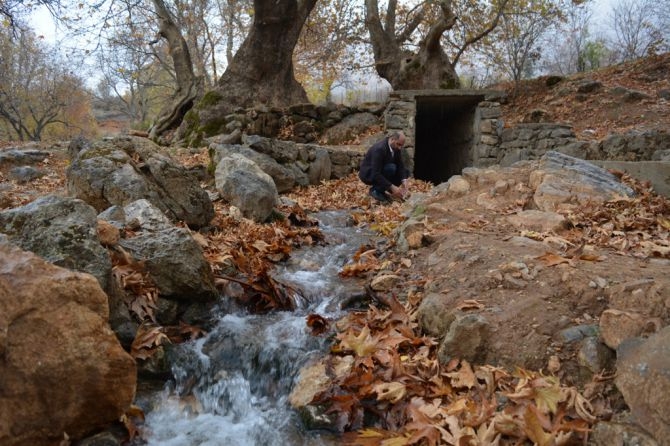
(188, 85)
(262, 70)
(429, 67)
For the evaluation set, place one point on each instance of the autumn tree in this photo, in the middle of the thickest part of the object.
(37, 91)
(329, 41)
(430, 63)
(514, 47)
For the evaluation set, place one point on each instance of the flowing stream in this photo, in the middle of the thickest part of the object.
(231, 387)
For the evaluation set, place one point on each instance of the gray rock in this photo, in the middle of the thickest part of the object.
(350, 127)
(595, 356)
(541, 221)
(242, 183)
(283, 177)
(435, 314)
(565, 180)
(122, 170)
(588, 86)
(576, 333)
(175, 262)
(284, 152)
(607, 433)
(16, 157)
(465, 339)
(320, 168)
(114, 215)
(144, 215)
(643, 377)
(25, 174)
(62, 231)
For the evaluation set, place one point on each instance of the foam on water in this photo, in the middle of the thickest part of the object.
(232, 387)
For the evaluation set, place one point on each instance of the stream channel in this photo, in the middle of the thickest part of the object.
(232, 386)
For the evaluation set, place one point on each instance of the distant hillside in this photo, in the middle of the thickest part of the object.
(632, 95)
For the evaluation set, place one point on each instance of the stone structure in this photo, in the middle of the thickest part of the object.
(446, 130)
(449, 130)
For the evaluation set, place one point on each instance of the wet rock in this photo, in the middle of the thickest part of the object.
(63, 370)
(314, 379)
(175, 262)
(643, 377)
(384, 282)
(465, 339)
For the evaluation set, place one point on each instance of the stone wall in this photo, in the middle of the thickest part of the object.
(301, 123)
(489, 125)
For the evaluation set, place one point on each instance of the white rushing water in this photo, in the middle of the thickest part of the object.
(232, 387)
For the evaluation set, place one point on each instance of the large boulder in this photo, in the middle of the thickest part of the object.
(62, 371)
(242, 183)
(284, 177)
(122, 170)
(175, 263)
(62, 231)
(565, 181)
(643, 377)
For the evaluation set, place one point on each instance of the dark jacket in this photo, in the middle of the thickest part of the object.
(373, 163)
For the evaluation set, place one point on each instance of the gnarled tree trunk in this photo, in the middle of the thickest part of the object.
(262, 70)
(188, 84)
(429, 67)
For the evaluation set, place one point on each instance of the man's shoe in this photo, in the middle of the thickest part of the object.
(382, 198)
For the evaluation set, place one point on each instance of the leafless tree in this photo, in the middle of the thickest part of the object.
(635, 32)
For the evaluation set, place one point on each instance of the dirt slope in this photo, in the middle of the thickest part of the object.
(633, 95)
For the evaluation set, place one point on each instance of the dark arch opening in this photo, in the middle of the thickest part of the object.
(444, 136)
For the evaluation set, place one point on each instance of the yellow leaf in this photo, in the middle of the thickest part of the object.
(547, 398)
(534, 430)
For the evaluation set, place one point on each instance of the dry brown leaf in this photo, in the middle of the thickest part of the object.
(391, 391)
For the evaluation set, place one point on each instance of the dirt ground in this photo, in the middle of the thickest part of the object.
(510, 275)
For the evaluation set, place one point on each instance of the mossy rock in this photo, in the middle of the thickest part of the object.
(213, 126)
(210, 98)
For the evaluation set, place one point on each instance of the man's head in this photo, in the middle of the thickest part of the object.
(397, 140)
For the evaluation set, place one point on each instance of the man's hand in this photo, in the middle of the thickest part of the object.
(398, 192)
